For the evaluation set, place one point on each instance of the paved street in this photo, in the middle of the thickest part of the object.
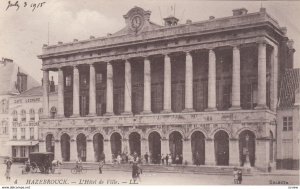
(118, 177)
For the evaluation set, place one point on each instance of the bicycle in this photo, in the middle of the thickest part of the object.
(79, 169)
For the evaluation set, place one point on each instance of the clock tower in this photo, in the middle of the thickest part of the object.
(137, 20)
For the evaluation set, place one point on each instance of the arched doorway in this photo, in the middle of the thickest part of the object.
(98, 147)
(271, 155)
(175, 145)
(198, 147)
(65, 147)
(81, 147)
(222, 148)
(247, 146)
(50, 143)
(135, 143)
(154, 147)
(116, 144)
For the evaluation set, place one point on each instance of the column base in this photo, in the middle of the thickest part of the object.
(261, 107)
(109, 114)
(235, 108)
(75, 115)
(188, 110)
(210, 109)
(166, 111)
(126, 113)
(146, 112)
(92, 115)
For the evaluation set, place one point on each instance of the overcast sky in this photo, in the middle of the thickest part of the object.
(23, 32)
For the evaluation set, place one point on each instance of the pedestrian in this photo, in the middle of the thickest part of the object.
(162, 159)
(177, 159)
(8, 167)
(240, 176)
(167, 159)
(135, 171)
(101, 163)
(235, 175)
(119, 159)
(146, 156)
(158, 158)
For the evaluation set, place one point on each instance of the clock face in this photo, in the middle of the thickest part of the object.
(136, 22)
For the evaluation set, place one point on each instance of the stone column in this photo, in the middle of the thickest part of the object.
(211, 81)
(262, 79)
(107, 151)
(262, 153)
(109, 90)
(234, 153)
(165, 146)
(92, 91)
(57, 150)
(188, 83)
(236, 75)
(127, 89)
(60, 94)
(210, 152)
(274, 77)
(75, 92)
(144, 147)
(73, 150)
(167, 85)
(187, 152)
(147, 86)
(45, 93)
(90, 155)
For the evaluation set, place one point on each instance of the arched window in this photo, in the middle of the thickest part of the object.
(40, 113)
(23, 115)
(15, 115)
(53, 112)
(32, 115)
(4, 127)
(4, 106)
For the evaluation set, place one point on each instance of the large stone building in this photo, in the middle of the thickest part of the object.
(288, 121)
(13, 81)
(205, 89)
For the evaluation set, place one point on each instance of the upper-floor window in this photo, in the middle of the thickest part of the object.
(53, 112)
(4, 127)
(23, 115)
(99, 78)
(14, 133)
(68, 80)
(31, 133)
(32, 115)
(287, 123)
(15, 115)
(40, 112)
(22, 133)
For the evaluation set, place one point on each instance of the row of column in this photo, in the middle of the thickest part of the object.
(167, 85)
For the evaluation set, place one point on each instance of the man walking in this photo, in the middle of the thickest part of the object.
(8, 167)
(146, 156)
(167, 159)
(101, 163)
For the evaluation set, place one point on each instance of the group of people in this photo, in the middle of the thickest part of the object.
(163, 159)
(237, 175)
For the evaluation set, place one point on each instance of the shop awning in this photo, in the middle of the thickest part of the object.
(22, 143)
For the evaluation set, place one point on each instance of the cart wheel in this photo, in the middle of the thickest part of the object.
(73, 171)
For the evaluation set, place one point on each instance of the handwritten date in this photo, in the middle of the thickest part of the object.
(25, 4)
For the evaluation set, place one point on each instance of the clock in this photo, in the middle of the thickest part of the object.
(136, 22)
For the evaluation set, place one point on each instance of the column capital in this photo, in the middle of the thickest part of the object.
(262, 42)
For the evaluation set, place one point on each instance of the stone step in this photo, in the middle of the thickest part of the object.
(203, 169)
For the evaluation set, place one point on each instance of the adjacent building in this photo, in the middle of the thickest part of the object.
(204, 91)
(288, 121)
(13, 81)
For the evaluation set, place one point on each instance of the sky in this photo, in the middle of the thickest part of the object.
(23, 32)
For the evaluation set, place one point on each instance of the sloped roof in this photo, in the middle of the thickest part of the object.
(289, 84)
(124, 31)
(7, 71)
(35, 91)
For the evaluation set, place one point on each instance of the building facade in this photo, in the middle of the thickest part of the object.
(288, 121)
(205, 91)
(13, 81)
(25, 112)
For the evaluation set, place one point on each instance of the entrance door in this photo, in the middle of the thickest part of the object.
(116, 144)
(81, 147)
(247, 145)
(154, 147)
(65, 147)
(135, 143)
(175, 145)
(98, 147)
(198, 147)
(222, 148)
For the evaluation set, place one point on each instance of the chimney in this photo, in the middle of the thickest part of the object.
(211, 17)
(92, 37)
(291, 52)
(171, 21)
(60, 43)
(188, 21)
(75, 40)
(239, 12)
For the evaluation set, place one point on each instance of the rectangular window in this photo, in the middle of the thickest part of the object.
(68, 80)
(22, 133)
(31, 133)
(287, 123)
(99, 78)
(14, 151)
(14, 133)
